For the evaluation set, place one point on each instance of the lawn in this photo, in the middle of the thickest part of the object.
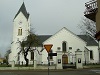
(93, 65)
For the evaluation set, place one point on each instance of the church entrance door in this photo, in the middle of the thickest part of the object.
(64, 59)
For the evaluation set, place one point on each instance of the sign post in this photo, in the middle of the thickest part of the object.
(48, 48)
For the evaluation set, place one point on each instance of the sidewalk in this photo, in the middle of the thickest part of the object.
(44, 68)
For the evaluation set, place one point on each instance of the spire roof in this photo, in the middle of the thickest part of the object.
(23, 10)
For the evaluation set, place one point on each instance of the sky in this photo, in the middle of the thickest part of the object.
(47, 17)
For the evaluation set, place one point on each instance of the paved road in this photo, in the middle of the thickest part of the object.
(96, 71)
(65, 72)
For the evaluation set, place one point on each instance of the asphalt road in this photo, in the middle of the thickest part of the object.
(65, 72)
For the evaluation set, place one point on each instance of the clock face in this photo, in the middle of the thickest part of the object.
(20, 22)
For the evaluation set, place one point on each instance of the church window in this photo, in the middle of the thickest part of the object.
(70, 48)
(19, 31)
(64, 46)
(32, 55)
(91, 54)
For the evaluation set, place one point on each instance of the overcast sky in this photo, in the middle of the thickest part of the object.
(47, 17)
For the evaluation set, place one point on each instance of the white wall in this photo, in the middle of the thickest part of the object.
(38, 55)
(95, 54)
(64, 35)
(25, 26)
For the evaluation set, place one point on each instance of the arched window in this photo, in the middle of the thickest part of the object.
(64, 48)
(32, 55)
(19, 31)
(91, 54)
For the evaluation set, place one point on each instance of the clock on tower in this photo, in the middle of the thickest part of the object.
(20, 22)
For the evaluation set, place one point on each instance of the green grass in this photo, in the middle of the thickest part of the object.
(93, 65)
(24, 66)
(4, 65)
(88, 65)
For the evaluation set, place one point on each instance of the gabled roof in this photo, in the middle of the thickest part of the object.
(23, 10)
(43, 38)
(64, 28)
(90, 41)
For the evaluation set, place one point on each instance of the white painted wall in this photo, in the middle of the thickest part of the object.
(57, 39)
(95, 54)
(64, 34)
(86, 56)
(25, 26)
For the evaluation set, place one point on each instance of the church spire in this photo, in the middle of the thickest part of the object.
(23, 10)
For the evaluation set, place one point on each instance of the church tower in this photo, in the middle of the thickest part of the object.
(21, 30)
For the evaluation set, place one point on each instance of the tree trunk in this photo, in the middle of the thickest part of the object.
(27, 62)
(25, 55)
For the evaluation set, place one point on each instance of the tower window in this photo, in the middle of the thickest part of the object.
(64, 46)
(19, 31)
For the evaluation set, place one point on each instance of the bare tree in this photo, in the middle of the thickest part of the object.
(26, 46)
(88, 27)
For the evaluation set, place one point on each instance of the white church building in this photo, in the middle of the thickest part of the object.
(63, 40)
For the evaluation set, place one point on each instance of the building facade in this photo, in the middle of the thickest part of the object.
(64, 40)
(21, 28)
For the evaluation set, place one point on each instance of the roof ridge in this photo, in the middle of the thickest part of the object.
(68, 31)
(23, 10)
(90, 41)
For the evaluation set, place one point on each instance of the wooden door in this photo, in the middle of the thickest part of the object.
(64, 59)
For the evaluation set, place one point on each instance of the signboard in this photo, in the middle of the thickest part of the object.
(52, 54)
(48, 47)
(79, 60)
(59, 61)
